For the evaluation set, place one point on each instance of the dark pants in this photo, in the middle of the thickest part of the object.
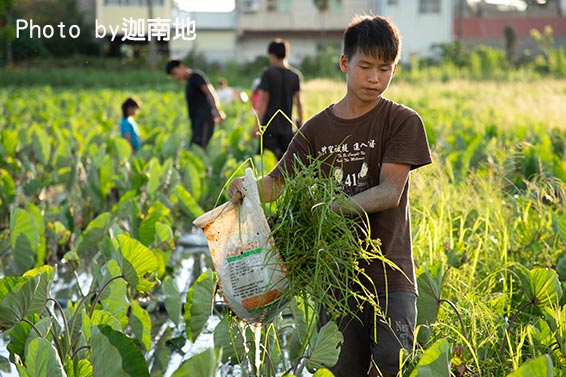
(361, 348)
(277, 143)
(202, 126)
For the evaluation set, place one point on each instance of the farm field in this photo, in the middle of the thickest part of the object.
(489, 230)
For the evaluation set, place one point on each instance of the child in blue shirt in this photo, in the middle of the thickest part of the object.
(128, 126)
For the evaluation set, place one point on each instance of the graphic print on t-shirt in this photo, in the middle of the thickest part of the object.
(352, 177)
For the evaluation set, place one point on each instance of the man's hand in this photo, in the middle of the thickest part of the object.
(218, 115)
(235, 190)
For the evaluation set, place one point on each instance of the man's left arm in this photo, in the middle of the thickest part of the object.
(212, 98)
(386, 195)
(299, 106)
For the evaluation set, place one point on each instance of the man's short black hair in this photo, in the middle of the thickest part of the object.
(171, 65)
(278, 47)
(374, 36)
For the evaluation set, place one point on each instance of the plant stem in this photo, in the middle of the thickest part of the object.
(458, 315)
(99, 294)
(506, 333)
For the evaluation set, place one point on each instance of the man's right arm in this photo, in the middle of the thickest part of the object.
(269, 188)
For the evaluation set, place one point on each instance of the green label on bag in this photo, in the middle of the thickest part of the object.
(245, 254)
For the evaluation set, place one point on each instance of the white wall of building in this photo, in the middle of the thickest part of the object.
(420, 31)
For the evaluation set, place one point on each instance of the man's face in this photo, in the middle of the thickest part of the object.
(179, 73)
(367, 76)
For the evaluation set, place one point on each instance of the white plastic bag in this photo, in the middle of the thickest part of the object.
(250, 275)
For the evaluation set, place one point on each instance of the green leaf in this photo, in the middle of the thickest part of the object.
(186, 201)
(203, 364)
(10, 140)
(82, 369)
(429, 281)
(46, 275)
(435, 361)
(162, 352)
(561, 268)
(87, 245)
(42, 359)
(27, 237)
(228, 337)
(40, 144)
(542, 286)
(199, 303)
(123, 148)
(326, 349)
(137, 262)
(102, 317)
(323, 372)
(116, 355)
(17, 299)
(7, 189)
(172, 300)
(156, 172)
(147, 227)
(163, 233)
(559, 225)
(18, 339)
(140, 322)
(539, 367)
(115, 296)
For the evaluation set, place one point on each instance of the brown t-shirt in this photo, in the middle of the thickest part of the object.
(389, 133)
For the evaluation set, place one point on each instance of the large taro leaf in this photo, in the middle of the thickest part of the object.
(42, 359)
(326, 347)
(16, 297)
(228, 337)
(541, 285)
(157, 173)
(140, 323)
(28, 238)
(538, 367)
(115, 296)
(172, 300)
(40, 144)
(429, 281)
(435, 361)
(46, 275)
(199, 304)
(87, 245)
(137, 262)
(114, 354)
(203, 364)
(187, 202)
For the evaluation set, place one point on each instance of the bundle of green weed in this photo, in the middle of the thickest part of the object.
(320, 249)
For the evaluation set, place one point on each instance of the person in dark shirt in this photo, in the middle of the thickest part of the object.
(202, 102)
(279, 89)
(370, 145)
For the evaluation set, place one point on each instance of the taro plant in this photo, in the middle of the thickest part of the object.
(86, 336)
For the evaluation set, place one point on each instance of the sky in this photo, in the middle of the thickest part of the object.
(206, 5)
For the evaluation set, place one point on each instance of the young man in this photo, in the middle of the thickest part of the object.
(279, 88)
(202, 102)
(380, 142)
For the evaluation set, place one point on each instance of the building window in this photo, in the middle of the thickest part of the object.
(281, 6)
(429, 6)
